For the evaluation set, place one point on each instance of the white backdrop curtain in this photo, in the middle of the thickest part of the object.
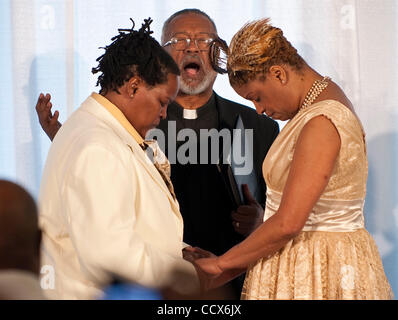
(51, 46)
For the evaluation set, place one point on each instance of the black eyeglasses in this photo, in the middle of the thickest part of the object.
(181, 43)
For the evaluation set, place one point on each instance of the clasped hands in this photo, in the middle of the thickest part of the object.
(207, 266)
(245, 220)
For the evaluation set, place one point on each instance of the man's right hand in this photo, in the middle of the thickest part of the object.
(248, 217)
(48, 121)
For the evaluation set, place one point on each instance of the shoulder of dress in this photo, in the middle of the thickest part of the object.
(332, 109)
(340, 115)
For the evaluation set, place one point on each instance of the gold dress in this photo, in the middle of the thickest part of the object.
(333, 257)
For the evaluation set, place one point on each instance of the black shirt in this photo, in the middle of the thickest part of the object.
(204, 202)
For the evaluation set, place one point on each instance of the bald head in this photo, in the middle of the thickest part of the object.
(19, 232)
(166, 24)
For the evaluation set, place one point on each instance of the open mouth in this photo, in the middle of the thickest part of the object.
(192, 68)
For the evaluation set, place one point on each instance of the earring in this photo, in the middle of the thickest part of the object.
(134, 87)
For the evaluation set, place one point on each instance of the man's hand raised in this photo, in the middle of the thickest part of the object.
(48, 121)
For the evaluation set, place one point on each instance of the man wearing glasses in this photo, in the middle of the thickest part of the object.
(211, 219)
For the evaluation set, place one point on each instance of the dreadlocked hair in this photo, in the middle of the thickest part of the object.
(134, 53)
(255, 48)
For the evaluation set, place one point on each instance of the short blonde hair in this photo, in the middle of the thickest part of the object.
(255, 48)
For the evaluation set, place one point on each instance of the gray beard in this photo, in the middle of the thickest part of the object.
(199, 88)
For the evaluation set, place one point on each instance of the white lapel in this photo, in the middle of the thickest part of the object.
(93, 107)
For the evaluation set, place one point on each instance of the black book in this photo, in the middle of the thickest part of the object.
(235, 174)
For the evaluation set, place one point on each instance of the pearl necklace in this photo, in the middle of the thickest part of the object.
(317, 87)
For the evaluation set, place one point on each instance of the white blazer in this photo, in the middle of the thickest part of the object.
(105, 210)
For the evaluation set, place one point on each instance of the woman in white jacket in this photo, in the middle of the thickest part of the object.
(107, 207)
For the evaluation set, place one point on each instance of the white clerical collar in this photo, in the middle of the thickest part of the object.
(190, 114)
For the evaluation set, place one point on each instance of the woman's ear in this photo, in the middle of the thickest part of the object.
(279, 74)
(133, 86)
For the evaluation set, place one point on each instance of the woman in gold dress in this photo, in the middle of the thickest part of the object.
(312, 243)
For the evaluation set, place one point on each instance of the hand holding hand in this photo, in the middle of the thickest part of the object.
(193, 253)
(48, 121)
(208, 271)
(211, 275)
(209, 266)
(248, 217)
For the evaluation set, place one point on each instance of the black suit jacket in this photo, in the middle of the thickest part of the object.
(199, 187)
(205, 203)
